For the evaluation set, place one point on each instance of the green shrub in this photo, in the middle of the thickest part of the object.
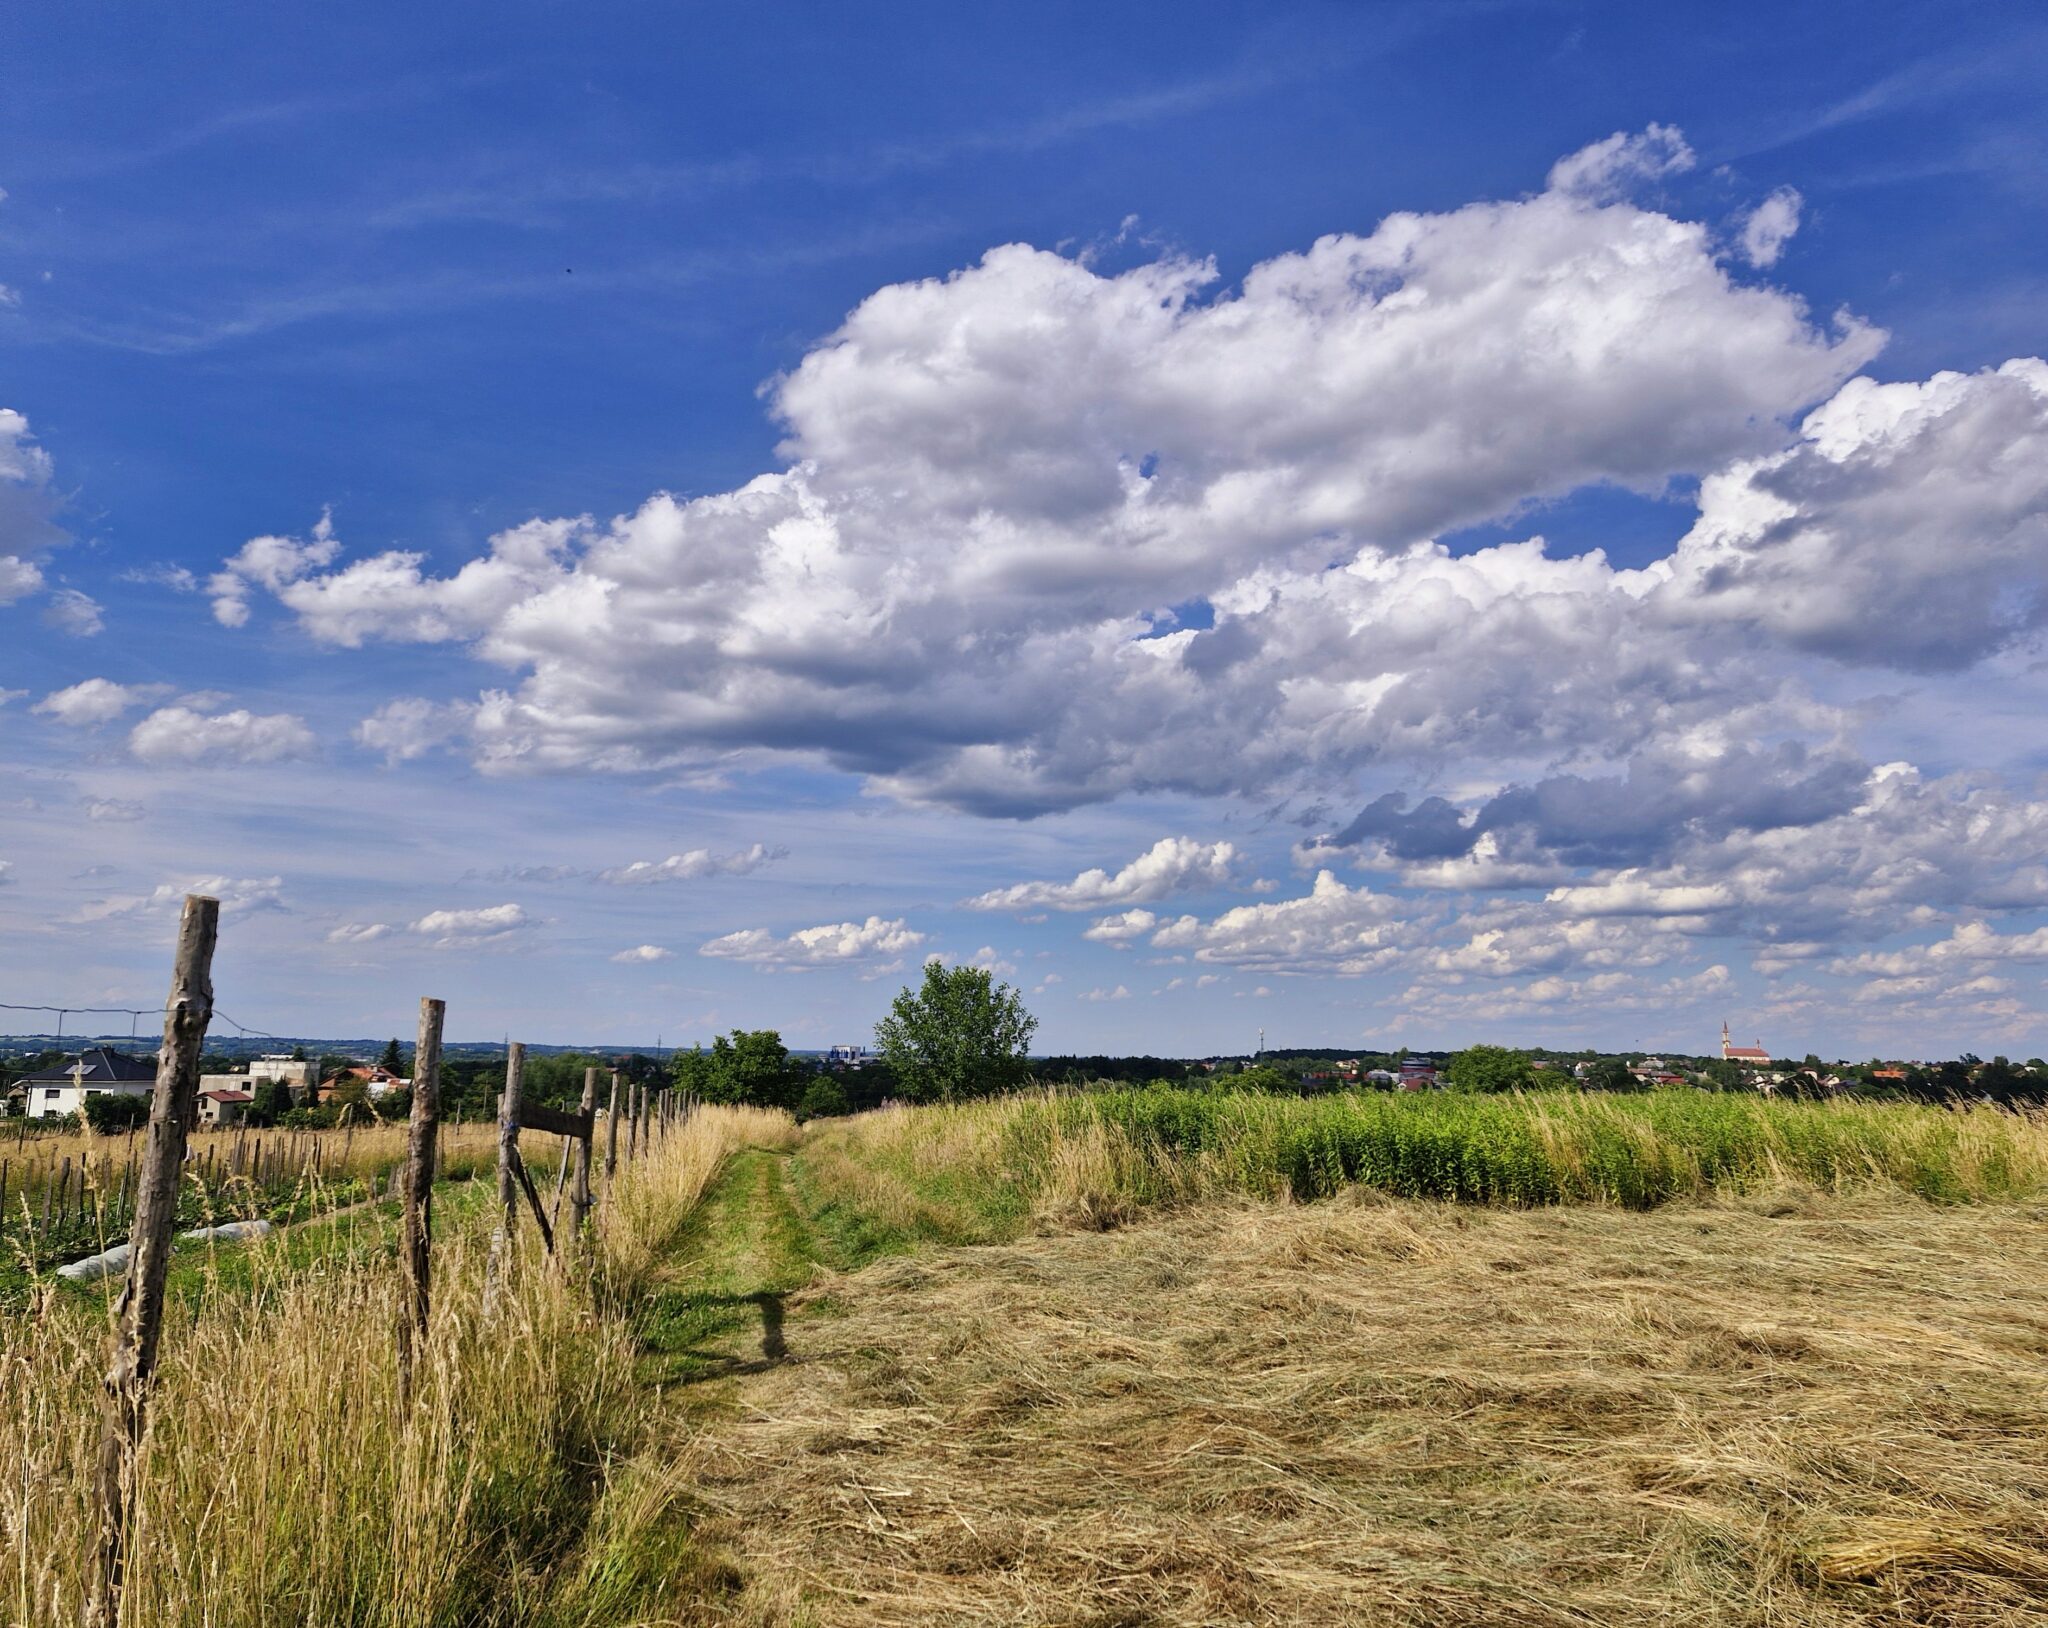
(822, 1099)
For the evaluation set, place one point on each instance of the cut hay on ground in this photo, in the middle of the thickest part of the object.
(1801, 1411)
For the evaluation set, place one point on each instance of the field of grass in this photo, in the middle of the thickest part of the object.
(285, 1480)
(1164, 1358)
(979, 1172)
(1789, 1410)
(65, 1194)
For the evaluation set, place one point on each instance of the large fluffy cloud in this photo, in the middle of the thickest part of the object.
(999, 481)
(1907, 527)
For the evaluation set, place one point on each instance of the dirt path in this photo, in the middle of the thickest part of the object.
(721, 1312)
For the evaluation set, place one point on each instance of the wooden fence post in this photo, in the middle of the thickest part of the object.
(508, 1138)
(138, 1313)
(579, 1190)
(611, 1137)
(418, 1217)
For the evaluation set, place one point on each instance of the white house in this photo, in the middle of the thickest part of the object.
(55, 1092)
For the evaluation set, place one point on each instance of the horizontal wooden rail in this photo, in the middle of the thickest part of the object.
(534, 1116)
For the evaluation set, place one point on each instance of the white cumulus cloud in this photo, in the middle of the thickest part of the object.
(181, 735)
(460, 929)
(642, 955)
(1770, 227)
(694, 866)
(844, 943)
(95, 701)
(1171, 865)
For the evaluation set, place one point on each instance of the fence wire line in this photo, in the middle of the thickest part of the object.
(132, 1013)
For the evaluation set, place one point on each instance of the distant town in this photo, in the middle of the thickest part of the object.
(316, 1082)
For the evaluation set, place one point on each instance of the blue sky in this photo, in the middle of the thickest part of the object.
(1171, 548)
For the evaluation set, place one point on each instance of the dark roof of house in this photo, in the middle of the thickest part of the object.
(100, 1066)
(228, 1096)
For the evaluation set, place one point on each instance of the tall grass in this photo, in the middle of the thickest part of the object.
(975, 1171)
(285, 1481)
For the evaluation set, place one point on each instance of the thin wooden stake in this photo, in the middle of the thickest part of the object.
(611, 1137)
(579, 1191)
(139, 1310)
(508, 1137)
(540, 1216)
(417, 1220)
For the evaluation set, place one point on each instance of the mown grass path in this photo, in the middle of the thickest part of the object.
(717, 1311)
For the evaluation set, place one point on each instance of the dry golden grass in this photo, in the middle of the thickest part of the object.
(1788, 1409)
(286, 1483)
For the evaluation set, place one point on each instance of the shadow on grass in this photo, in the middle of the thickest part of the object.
(687, 1334)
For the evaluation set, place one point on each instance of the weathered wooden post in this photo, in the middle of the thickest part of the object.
(417, 1217)
(632, 1120)
(579, 1189)
(508, 1136)
(611, 1137)
(138, 1313)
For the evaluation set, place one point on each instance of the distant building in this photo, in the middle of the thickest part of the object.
(97, 1072)
(1417, 1073)
(300, 1075)
(377, 1079)
(1750, 1056)
(849, 1057)
(217, 1108)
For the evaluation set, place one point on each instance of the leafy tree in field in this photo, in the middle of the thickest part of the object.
(961, 1035)
(393, 1058)
(1262, 1077)
(1490, 1068)
(822, 1098)
(750, 1066)
(395, 1104)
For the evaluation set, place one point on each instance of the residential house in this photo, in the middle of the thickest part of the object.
(218, 1108)
(95, 1072)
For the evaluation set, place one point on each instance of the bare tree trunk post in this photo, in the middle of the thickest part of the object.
(138, 1313)
(611, 1137)
(417, 1219)
(579, 1191)
(508, 1154)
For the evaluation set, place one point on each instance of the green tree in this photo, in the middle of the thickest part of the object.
(270, 1102)
(750, 1066)
(1610, 1074)
(393, 1058)
(822, 1098)
(961, 1035)
(1490, 1068)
